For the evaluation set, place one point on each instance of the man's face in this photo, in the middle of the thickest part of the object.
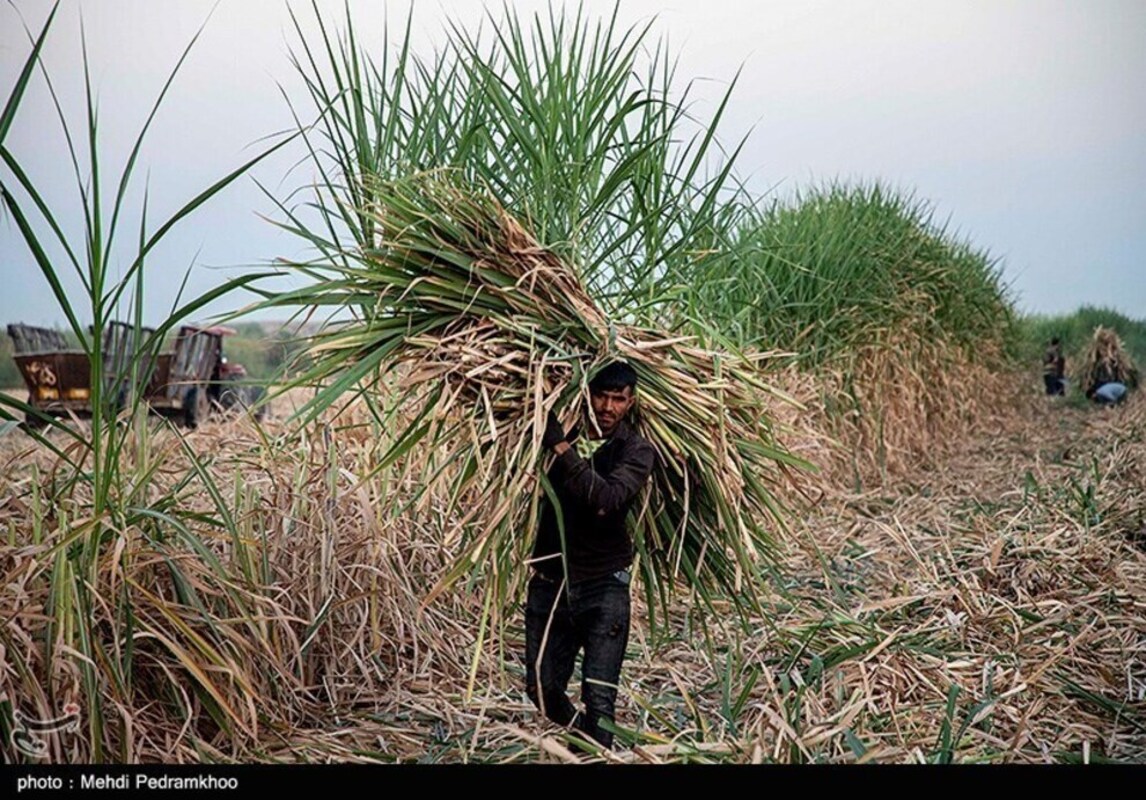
(610, 407)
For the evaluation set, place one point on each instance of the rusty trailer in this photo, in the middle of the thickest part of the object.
(186, 382)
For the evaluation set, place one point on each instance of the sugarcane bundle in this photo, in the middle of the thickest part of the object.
(487, 331)
(1106, 360)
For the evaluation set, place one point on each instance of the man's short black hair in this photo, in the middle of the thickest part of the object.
(1054, 340)
(614, 377)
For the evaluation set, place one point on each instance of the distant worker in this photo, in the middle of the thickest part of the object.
(1054, 368)
(1109, 393)
(1104, 387)
(1110, 372)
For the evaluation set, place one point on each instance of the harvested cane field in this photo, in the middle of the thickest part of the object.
(988, 609)
(860, 542)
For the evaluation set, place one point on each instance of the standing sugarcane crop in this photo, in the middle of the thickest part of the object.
(578, 597)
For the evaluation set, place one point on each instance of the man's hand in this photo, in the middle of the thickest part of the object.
(554, 432)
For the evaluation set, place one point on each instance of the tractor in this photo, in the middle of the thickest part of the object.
(186, 383)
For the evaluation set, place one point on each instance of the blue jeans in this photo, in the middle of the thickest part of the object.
(593, 616)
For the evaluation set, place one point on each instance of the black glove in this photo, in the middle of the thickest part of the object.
(554, 432)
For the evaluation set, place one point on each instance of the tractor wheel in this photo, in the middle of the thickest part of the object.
(196, 405)
(231, 397)
(255, 395)
(34, 422)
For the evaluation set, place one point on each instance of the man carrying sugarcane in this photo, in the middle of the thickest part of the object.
(578, 597)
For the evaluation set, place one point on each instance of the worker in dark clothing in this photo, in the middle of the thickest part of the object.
(1054, 368)
(578, 597)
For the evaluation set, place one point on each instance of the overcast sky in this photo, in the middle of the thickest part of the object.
(1021, 121)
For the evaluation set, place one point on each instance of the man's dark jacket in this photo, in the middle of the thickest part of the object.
(595, 496)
